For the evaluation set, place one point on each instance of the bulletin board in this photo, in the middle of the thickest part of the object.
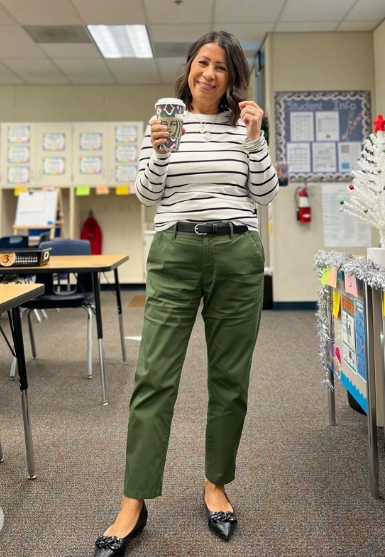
(319, 134)
(36, 208)
(348, 357)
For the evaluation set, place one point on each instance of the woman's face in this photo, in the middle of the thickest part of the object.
(208, 77)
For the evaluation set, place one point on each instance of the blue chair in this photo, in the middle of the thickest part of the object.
(79, 295)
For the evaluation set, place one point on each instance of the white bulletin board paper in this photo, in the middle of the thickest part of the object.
(36, 208)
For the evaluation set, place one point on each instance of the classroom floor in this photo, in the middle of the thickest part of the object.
(302, 487)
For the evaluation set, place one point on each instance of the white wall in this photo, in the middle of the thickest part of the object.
(379, 67)
(306, 62)
(75, 103)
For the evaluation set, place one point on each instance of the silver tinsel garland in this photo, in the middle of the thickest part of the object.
(363, 269)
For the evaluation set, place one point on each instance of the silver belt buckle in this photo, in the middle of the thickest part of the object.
(199, 233)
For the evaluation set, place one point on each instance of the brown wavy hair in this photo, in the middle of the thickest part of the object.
(239, 74)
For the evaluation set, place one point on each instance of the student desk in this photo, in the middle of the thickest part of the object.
(11, 297)
(93, 264)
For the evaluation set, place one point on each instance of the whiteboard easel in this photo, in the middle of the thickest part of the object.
(40, 209)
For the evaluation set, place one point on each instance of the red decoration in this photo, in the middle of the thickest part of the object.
(379, 124)
(351, 187)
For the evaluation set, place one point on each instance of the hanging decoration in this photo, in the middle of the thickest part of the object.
(365, 270)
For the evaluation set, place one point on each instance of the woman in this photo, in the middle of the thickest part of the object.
(206, 246)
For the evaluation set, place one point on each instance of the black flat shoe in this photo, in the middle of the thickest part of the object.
(111, 546)
(221, 523)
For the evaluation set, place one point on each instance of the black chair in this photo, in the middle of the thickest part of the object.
(12, 242)
(54, 297)
(44, 237)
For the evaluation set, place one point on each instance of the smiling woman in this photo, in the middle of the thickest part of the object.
(216, 61)
(206, 247)
(208, 79)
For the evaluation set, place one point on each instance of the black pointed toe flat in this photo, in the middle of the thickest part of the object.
(221, 523)
(112, 546)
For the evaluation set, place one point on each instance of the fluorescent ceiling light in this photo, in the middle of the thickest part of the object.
(121, 41)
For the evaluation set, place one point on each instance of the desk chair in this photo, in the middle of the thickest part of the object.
(81, 295)
(15, 241)
(44, 237)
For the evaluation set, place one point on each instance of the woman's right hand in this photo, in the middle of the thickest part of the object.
(159, 135)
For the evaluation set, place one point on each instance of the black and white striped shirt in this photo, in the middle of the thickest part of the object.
(206, 181)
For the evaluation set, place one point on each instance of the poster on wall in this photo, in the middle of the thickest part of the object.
(340, 229)
(360, 339)
(319, 134)
(19, 134)
(126, 133)
(348, 332)
(54, 141)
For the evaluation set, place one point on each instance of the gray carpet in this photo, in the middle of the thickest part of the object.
(302, 487)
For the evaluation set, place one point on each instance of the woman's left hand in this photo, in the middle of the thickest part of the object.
(251, 115)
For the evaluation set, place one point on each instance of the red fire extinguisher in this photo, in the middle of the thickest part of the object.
(303, 204)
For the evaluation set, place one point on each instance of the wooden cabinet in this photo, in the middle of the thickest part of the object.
(100, 155)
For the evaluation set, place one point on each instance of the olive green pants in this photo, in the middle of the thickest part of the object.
(227, 271)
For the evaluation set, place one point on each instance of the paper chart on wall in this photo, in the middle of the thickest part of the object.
(302, 126)
(348, 153)
(341, 229)
(298, 157)
(324, 157)
(327, 126)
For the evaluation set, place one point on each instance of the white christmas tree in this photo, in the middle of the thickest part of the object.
(367, 190)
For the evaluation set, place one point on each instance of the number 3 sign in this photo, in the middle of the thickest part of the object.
(7, 259)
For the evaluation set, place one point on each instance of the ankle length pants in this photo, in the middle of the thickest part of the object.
(227, 271)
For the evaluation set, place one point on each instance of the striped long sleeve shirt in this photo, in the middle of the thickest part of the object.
(206, 181)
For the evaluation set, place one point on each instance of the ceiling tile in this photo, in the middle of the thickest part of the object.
(367, 10)
(177, 33)
(303, 27)
(5, 17)
(170, 50)
(170, 68)
(9, 78)
(134, 71)
(71, 50)
(91, 71)
(42, 12)
(245, 31)
(110, 12)
(197, 11)
(246, 11)
(36, 71)
(15, 43)
(357, 26)
(58, 34)
(327, 10)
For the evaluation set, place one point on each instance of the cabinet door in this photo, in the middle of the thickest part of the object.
(90, 153)
(53, 154)
(18, 150)
(125, 140)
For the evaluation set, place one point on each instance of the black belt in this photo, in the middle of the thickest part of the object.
(203, 229)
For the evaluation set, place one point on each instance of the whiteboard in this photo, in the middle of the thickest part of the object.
(36, 208)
